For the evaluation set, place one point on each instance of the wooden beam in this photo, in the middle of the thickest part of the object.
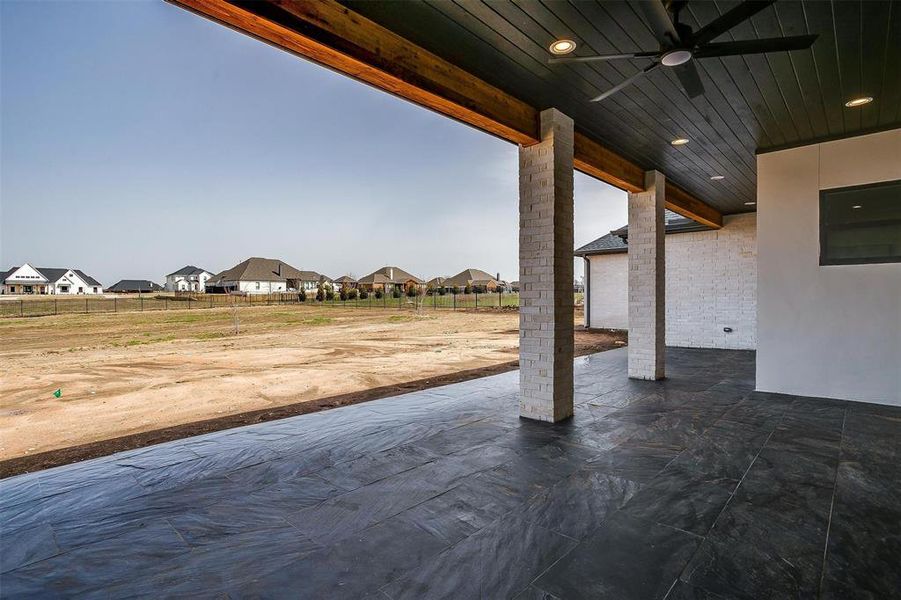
(332, 35)
(594, 159)
(681, 202)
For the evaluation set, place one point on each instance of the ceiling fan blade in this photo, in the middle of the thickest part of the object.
(625, 83)
(690, 79)
(600, 57)
(785, 44)
(660, 22)
(740, 13)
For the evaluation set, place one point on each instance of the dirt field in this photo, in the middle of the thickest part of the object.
(130, 373)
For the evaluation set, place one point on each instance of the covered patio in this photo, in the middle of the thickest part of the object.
(692, 487)
(646, 472)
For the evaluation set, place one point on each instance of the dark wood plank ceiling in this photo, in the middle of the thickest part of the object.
(753, 103)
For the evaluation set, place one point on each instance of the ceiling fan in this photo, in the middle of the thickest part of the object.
(679, 44)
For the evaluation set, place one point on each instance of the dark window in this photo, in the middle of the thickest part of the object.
(861, 224)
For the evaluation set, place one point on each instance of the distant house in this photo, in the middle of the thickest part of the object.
(264, 275)
(388, 279)
(323, 280)
(474, 278)
(188, 279)
(134, 286)
(436, 283)
(44, 280)
(345, 282)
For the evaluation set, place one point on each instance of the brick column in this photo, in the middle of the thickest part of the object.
(546, 272)
(647, 280)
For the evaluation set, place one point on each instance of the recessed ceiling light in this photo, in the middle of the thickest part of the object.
(858, 101)
(717, 177)
(750, 203)
(562, 47)
(856, 206)
(679, 141)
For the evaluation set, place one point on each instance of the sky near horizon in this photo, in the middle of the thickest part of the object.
(136, 138)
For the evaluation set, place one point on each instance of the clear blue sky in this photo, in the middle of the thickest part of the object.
(138, 138)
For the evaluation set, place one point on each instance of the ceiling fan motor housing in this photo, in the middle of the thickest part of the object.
(676, 57)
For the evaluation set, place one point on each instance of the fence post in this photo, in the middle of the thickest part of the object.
(21, 308)
(455, 299)
(477, 300)
(85, 305)
(115, 305)
(141, 296)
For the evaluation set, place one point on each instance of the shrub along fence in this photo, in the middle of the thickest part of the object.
(62, 305)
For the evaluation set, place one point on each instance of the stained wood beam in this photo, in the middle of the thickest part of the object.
(681, 202)
(336, 37)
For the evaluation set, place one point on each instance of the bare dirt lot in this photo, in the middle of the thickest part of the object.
(130, 379)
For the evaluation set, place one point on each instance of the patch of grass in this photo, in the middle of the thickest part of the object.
(401, 318)
(211, 335)
(165, 338)
(190, 318)
(11, 322)
(318, 321)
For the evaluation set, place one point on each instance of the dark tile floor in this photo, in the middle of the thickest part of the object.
(688, 488)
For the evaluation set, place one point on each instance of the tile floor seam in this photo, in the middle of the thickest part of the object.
(178, 533)
(549, 567)
(671, 587)
(731, 496)
(832, 505)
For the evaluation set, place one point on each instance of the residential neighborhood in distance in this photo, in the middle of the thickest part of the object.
(254, 275)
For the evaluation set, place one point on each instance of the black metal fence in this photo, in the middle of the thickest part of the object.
(62, 305)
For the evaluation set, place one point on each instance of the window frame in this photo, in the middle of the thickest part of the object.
(824, 260)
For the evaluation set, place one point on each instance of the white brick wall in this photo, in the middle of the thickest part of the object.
(711, 283)
(546, 271)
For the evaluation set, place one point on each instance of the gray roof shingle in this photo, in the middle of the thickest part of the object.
(607, 244)
(265, 269)
(188, 271)
(615, 241)
(389, 275)
(135, 285)
(470, 277)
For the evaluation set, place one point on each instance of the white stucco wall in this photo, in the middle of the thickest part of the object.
(830, 331)
(608, 298)
(711, 281)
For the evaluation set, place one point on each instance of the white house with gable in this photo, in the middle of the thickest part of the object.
(28, 280)
(188, 279)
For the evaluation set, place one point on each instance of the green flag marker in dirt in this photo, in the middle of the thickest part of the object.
(58, 393)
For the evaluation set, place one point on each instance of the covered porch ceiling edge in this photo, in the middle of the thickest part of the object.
(330, 34)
